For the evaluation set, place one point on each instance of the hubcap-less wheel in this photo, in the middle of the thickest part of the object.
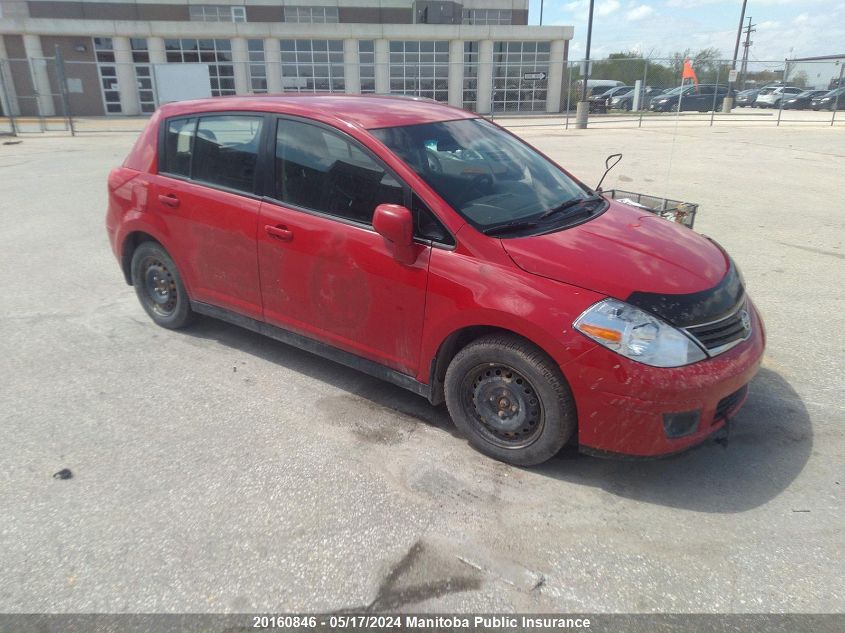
(503, 404)
(159, 286)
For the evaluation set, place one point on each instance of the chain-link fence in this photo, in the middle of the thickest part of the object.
(521, 80)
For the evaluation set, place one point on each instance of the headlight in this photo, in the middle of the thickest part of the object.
(637, 335)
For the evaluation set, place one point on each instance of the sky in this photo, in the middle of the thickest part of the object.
(785, 28)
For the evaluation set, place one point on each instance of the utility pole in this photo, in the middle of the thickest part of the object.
(728, 103)
(582, 110)
(746, 46)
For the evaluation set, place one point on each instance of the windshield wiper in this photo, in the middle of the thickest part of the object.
(510, 227)
(574, 202)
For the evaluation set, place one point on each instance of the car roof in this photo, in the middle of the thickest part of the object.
(364, 111)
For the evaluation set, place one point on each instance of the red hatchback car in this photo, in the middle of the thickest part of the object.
(431, 248)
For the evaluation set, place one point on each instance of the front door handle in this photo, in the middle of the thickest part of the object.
(279, 232)
(168, 200)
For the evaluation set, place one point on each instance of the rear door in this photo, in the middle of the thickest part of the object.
(325, 272)
(206, 195)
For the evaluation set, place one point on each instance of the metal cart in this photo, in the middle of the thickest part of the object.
(673, 210)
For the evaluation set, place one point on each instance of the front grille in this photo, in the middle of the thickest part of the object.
(729, 402)
(720, 336)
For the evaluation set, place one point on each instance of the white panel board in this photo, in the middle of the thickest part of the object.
(180, 82)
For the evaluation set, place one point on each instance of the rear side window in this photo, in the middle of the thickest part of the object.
(178, 146)
(226, 151)
(320, 170)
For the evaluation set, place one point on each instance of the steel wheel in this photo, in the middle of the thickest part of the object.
(503, 405)
(159, 286)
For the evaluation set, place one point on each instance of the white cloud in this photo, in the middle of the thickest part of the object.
(602, 9)
(640, 12)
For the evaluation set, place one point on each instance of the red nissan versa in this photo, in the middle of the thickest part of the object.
(431, 248)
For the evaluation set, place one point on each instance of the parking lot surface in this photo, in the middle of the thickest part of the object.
(218, 471)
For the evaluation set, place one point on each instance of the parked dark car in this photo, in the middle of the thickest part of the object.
(828, 101)
(626, 101)
(701, 98)
(601, 102)
(746, 98)
(803, 100)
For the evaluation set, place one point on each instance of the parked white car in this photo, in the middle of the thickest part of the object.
(771, 97)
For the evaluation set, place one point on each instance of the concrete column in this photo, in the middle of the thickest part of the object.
(456, 73)
(485, 76)
(557, 70)
(351, 66)
(127, 84)
(38, 69)
(9, 96)
(240, 60)
(272, 58)
(155, 46)
(382, 57)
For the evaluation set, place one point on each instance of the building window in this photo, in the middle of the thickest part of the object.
(107, 70)
(315, 15)
(420, 68)
(487, 16)
(367, 66)
(143, 75)
(257, 68)
(312, 66)
(516, 87)
(216, 53)
(216, 13)
(470, 96)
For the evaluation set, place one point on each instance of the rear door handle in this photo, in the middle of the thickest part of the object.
(279, 232)
(168, 200)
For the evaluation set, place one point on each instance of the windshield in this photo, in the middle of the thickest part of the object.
(678, 90)
(485, 174)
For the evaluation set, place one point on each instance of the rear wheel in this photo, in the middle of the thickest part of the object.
(159, 286)
(510, 400)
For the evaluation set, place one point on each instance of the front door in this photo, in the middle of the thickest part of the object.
(205, 194)
(325, 272)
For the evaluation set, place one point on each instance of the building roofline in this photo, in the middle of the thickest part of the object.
(813, 59)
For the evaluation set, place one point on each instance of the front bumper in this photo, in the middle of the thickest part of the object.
(621, 403)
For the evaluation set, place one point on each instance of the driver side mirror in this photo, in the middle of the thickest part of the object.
(396, 225)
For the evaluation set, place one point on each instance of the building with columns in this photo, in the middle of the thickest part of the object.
(476, 54)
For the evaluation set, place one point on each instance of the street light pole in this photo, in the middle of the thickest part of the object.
(541, 12)
(728, 103)
(583, 108)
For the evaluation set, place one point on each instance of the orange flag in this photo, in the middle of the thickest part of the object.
(689, 73)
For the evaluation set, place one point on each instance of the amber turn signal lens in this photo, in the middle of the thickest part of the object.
(614, 336)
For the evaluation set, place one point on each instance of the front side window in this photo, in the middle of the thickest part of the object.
(226, 151)
(486, 175)
(320, 170)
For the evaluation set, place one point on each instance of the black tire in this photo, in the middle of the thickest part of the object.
(510, 400)
(159, 286)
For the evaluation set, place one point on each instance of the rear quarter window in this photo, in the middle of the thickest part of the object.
(178, 146)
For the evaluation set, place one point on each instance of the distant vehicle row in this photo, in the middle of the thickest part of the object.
(793, 98)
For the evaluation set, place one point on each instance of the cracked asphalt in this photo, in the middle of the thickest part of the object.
(218, 471)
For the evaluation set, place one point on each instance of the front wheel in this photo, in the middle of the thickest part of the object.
(510, 400)
(159, 286)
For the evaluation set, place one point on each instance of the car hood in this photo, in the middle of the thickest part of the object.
(624, 250)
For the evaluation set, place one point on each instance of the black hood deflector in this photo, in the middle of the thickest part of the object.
(695, 308)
